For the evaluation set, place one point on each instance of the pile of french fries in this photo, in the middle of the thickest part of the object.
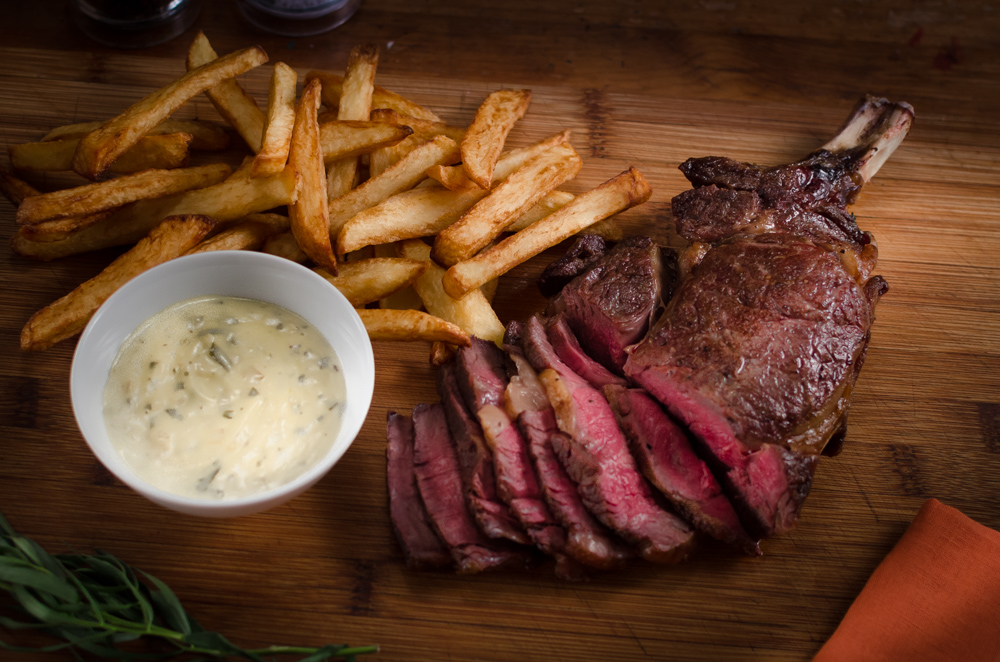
(394, 207)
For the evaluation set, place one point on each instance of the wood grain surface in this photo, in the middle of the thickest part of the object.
(646, 84)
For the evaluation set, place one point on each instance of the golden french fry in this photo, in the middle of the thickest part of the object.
(309, 213)
(508, 162)
(150, 152)
(400, 177)
(236, 106)
(441, 353)
(486, 135)
(278, 122)
(450, 177)
(384, 158)
(284, 245)
(404, 299)
(69, 315)
(97, 197)
(365, 281)
(381, 97)
(422, 126)
(16, 190)
(471, 312)
(227, 201)
(99, 148)
(553, 202)
(204, 135)
(423, 212)
(383, 324)
(276, 222)
(244, 236)
(514, 196)
(617, 194)
(346, 138)
(355, 104)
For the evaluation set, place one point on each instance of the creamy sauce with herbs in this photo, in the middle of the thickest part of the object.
(221, 397)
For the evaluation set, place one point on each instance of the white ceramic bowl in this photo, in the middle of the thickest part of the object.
(225, 273)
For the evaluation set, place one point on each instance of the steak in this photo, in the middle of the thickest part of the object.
(584, 252)
(596, 457)
(759, 349)
(476, 464)
(481, 372)
(663, 452)
(440, 486)
(568, 350)
(604, 306)
(421, 545)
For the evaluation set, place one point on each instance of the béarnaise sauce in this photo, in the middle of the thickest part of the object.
(223, 397)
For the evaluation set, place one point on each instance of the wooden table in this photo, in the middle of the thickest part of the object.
(639, 84)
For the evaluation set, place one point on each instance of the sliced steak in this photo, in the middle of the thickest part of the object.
(476, 464)
(569, 352)
(663, 452)
(585, 251)
(481, 373)
(436, 469)
(595, 455)
(410, 521)
(605, 307)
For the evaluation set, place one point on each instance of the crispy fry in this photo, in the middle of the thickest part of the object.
(309, 213)
(404, 299)
(555, 201)
(428, 128)
(511, 198)
(69, 315)
(382, 159)
(244, 236)
(16, 190)
(277, 222)
(236, 106)
(284, 245)
(410, 325)
(508, 162)
(617, 194)
(381, 97)
(471, 312)
(441, 353)
(486, 135)
(400, 177)
(158, 152)
(98, 149)
(278, 122)
(355, 104)
(97, 197)
(346, 138)
(423, 212)
(204, 135)
(227, 201)
(365, 281)
(450, 177)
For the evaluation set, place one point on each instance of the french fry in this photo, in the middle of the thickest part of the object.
(617, 194)
(404, 299)
(69, 315)
(204, 135)
(346, 138)
(429, 128)
(99, 148)
(450, 177)
(309, 213)
(471, 312)
(365, 281)
(508, 162)
(486, 135)
(514, 196)
(555, 201)
(423, 212)
(382, 159)
(410, 325)
(278, 122)
(227, 201)
(400, 177)
(355, 104)
(16, 190)
(284, 245)
(244, 236)
(277, 222)
(236, 106)
(381, 97)
(156, 152)
(98, 197)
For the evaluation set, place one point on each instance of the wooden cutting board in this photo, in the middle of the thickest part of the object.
(638, 85)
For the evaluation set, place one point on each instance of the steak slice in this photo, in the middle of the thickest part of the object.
(585, 251)
(476, 464)
(568, 350)
(440, 485)
(666, 458)
(611, 305)
(481, 374)
(410, 521)
(596, 457)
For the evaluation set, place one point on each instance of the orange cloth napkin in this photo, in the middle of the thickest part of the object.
(936, 596)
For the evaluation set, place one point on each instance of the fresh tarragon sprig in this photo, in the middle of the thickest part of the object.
(94, 603)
